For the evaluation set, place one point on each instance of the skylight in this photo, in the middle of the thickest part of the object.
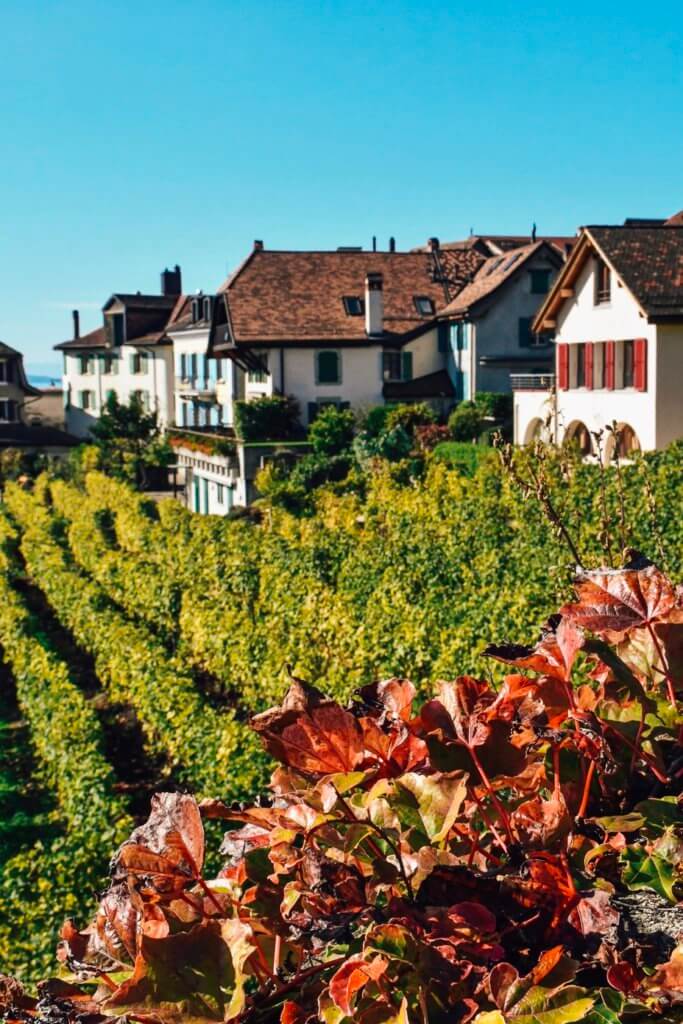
(354, 305)
(494, 266)
(424, 305)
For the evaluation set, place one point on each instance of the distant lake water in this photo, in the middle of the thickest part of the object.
(40, 380)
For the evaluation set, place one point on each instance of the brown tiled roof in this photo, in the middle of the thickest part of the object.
(432, 385)
(676, 219)
(280, 296)
(181, 317)
(649, 260)
(22, 435)
(495, 245)
(94, 339)
(493, 273)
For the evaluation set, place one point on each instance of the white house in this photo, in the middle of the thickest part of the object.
(616, 311)
(131, 353)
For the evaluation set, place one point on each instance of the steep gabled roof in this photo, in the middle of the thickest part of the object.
(495, 272)
(288, 297)
(646, 258)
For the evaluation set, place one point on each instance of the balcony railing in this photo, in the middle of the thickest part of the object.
(532, 381)
(200, 386)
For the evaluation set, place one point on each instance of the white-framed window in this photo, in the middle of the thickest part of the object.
(110, 364)
(603, 283)
(8, 410)
(397, 365)
(259, 376)
(86, 399)
(599, 365)
(138, 362)
(86, 364)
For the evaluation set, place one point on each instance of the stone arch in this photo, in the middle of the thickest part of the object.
(534, 431)
(578, 433)
(628, 443)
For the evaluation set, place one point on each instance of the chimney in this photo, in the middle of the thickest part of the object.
(433, 244)
(374, 305)
(392, 244)
(171, 281)
(77, 324)
(258, 245)
(374, 243)
(533, 232)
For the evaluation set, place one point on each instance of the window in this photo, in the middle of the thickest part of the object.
(196, 310)
(391, 365)
(459, 337)
(598, 364)
(87, 400)
(423, 305)
(397, 366)
(354, 305)
(580, 366)
(540, 281)
(110, 363)
(220, 494)
(603, 284)
(86, 364)
(138, 362)
(328, 367)
(259, 376)
(628, 364)
(5, 371)
(208, 307)
(7, 411)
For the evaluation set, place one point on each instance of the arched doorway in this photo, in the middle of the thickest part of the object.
(579, 434)
(622, 443)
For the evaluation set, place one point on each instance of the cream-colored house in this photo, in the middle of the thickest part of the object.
(616, 312)
(23, 425)
(131, 353)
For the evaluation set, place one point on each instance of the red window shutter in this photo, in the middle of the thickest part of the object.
(640, 364)
(588, 364)
(609, 365)
(563, 366)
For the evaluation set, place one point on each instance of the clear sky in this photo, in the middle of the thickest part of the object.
(140, 134)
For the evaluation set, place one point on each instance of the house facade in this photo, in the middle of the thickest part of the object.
(22, 425)
(617, 314)
(487, 328)
(131, 353)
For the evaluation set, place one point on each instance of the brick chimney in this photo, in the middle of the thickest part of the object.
(171, 281)
(77, 324)
(374, 305)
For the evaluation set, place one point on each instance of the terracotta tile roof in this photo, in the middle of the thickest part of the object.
(495, 245)
(278, 296)
(493, 273)
(181, 317)
(94, 339)
(432, 385)
(649, 260)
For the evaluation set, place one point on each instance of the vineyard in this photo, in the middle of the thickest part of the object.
(138, 639)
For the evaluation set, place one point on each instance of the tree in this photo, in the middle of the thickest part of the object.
(331, 433)
(129, 440)
(465, 422)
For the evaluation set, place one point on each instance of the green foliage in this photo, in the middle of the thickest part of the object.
(129, 440)
(268, 418)
(495, 404)
(466, 422)
(461, 455)
(409, 416)
(331, 432)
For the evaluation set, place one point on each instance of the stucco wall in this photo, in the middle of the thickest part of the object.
(669, 384)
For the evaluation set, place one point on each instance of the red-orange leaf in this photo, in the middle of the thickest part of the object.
(351, 978)
(616, 600)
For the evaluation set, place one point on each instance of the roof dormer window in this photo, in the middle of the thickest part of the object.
(354, 305)
(603, 282)
(197, 309)
(116, 328)
(424, 305)
(208, 307)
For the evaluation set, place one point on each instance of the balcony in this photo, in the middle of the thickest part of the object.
(196, 387)
(532, 381)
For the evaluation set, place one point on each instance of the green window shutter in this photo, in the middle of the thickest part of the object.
(524, 329)
(131, 361)
(407, 366)
(328, 367)
(442, 332)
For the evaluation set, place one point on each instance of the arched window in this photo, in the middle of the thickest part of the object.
(328, 367)
(578, 433)
(622, 444)
(534, 431)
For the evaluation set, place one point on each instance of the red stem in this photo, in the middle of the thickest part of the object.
(586, 790)
(669, 681)
(498, 805)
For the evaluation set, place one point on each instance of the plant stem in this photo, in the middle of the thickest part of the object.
(581, 813)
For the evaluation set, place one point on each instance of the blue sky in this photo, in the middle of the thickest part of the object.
(136, 135)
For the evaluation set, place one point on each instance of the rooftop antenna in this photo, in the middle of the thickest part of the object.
(533, 232)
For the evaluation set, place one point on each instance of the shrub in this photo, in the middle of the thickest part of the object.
(465, 422)
(374, 421)
(501, 855)
(331, 432)
(427, 437)
(461, 455)
(495, 404)
(268, 418)
(409, 416)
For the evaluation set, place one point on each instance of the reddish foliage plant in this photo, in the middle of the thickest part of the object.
(502, 854)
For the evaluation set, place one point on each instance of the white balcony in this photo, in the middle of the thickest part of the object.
(532, 381)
